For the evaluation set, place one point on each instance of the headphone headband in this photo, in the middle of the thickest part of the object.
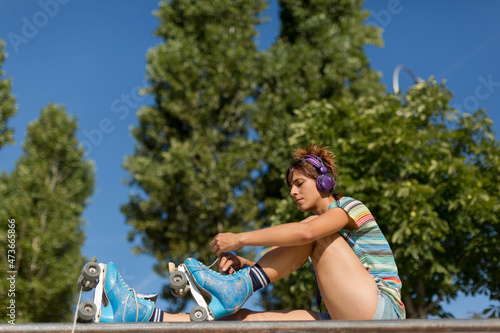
(317, 162)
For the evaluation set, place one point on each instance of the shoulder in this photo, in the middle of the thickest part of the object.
(348, 204)
(356, 209)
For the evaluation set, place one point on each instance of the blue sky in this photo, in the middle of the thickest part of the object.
(90, 57)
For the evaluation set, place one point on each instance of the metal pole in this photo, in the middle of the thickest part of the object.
(395, 77)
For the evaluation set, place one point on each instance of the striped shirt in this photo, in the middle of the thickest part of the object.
(372, 249)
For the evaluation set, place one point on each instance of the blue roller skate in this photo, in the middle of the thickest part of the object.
(126, 304)
(226, 293)
(114, 300)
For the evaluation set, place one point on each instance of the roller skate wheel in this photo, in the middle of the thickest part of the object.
(198, 313)
(91, 271)
(179, 292)
(87, 310)
(178, 280)
(84, 284)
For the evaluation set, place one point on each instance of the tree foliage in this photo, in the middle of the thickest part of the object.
(46, 194)
(193, 161)
(7, 103)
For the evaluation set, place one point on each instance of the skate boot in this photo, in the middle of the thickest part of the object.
(126, 304)
(228, 293)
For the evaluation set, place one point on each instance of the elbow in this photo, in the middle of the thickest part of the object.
(306, 235)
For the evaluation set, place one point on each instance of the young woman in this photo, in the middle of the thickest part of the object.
(353, 263)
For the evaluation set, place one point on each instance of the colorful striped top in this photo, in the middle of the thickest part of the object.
(372, 249)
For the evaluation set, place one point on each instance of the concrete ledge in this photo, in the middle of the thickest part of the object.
(435, 325)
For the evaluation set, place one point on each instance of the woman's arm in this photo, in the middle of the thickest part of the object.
(289, 234)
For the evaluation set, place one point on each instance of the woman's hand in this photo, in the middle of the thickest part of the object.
(229, 263)
(225, 242)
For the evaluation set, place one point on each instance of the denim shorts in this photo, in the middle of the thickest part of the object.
(385, 309)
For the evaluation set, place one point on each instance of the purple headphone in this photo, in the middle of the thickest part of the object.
(324, 182)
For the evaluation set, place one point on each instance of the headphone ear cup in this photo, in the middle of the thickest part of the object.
(324, 183)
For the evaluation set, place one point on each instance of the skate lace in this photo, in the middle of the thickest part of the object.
(128, 296)
(213, 264)
(136, 305)
(76, 311)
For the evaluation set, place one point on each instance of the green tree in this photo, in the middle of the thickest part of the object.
(193, 157)
(7, 103)
(46, 194)
(430, 177)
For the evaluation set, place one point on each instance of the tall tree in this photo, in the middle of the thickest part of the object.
(7, 103)
(46, 195)
(193, 161)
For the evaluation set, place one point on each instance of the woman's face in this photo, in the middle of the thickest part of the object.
(303, 189)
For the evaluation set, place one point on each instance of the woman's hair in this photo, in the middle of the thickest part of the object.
(299, 163)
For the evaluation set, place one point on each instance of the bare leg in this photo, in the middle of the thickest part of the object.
(348, 290)
(282, 261)
(176, 317)
(248, 315)
(284, 315)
